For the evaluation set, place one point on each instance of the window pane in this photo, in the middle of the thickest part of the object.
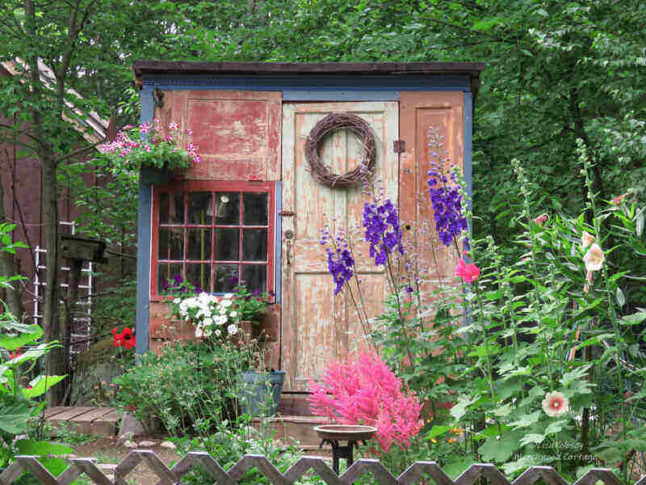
(165, 272)
(171, 208)
(199, 275)
(227, 244)
(171, 243)
(227, 208)
(199, 208)
(224, 277)
(255, 276)
(199, 245)
(254, 245)
(255, 209)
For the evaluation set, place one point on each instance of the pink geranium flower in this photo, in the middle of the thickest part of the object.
(555, 404)
(468, 272)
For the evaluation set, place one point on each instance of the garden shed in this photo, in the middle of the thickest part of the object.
(253, 209)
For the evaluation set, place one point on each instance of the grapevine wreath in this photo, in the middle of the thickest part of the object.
(329, 124)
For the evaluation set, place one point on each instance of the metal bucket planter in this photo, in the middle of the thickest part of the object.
(261, 392)
(155, 176)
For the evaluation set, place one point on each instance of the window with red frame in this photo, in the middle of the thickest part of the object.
(213, 235)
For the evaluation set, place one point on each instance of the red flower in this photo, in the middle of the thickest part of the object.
(540, 219)
(15, 353)
(468, 272)
(129, 340)
(124, 339)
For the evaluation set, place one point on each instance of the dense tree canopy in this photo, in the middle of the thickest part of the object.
(556, 72)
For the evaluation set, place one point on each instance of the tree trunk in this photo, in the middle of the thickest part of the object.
(8, 268)
(52, 328)
(54, 360)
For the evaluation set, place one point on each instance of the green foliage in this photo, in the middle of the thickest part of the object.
(188, 388)
(548, 322)
(230, 441)
(20, 355)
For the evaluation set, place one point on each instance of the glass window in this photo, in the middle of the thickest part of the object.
(213, 238)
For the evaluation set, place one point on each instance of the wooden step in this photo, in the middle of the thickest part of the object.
(289, 428)
(294, 405)
(102, 421)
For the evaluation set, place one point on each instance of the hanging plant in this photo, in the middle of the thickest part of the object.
(330, 124)
(147, 145)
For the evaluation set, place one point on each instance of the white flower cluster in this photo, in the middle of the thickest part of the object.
(211, 315)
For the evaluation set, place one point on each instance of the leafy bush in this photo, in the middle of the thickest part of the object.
(186, 389)
(230, 441)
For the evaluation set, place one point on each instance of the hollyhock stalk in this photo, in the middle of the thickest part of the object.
(604, 272)
(531, 226)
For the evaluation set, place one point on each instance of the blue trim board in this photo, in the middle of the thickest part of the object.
(144, 230)
(304, 84)
(467, 149)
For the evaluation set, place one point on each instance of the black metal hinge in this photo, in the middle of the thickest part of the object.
(399, 146)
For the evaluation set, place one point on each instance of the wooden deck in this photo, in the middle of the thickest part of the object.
(101, 421)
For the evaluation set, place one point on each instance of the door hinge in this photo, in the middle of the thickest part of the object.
(399, 146)
(286, 213)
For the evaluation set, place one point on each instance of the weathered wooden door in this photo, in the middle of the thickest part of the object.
(317, 326)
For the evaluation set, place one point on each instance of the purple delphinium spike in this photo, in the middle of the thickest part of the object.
(382, 230)
(446, 198)
(340, 262)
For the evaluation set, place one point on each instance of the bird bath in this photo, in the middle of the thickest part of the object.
(335, 433)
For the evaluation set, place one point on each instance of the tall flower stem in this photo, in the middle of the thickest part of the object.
(535, 296)
(402, 319)
(611, 309)
(483, 327)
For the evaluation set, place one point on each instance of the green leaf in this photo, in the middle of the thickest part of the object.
(42, 448)
(621, 299)
(456, 468)
(499, 450)
(40, 385)
(555, 427)
(532, 438)
(18, 335)
(55, 466)
(526, 420)
(634, 319)
(503, 411)
(14, 413)
(461, 406)
(436, 431)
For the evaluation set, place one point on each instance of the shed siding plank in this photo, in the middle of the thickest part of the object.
(419, 111)
(317, 326)
(237, 132)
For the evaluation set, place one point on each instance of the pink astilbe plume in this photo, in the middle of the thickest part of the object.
(365, 391)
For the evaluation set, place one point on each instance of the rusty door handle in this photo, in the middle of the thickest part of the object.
(288, 252)
(289, 235)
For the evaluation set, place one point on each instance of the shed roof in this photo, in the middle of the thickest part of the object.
(144, 68)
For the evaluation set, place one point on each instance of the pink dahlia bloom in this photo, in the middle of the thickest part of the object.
(555, 404)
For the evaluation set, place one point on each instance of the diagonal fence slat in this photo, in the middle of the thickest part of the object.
(87, 469)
